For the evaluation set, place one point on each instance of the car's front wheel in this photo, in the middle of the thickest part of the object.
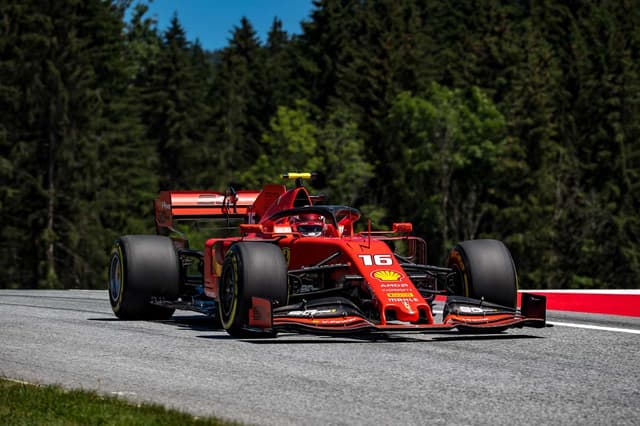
(250, 269)
(484, 270)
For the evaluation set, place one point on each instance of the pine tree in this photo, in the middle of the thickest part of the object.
(239, 102)
(524, 195)
(326, 42)
(390, 53)
(281, 86)
(176, 112)
(602, 83)
(62, 77)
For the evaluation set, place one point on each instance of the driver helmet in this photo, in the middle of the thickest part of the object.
(309, 224)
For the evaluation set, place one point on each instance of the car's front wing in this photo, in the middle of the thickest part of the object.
(479, 318)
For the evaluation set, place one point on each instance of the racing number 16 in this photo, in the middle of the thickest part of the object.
(376, 259)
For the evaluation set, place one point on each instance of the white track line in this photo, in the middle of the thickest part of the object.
(595, 327)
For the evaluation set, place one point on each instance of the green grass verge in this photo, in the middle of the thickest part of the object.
(24, 404)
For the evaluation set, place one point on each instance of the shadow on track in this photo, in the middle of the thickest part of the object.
(195, 322)
(190, 322)
(285, 339)
(207, 324)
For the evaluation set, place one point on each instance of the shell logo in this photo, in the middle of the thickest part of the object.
(385, 275)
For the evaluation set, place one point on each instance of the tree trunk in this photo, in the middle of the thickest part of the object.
(51, 277)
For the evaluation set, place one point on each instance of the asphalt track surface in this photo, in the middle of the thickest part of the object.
(565, 374)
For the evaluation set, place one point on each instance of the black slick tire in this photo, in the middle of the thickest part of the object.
(142, 267)
(250, 269)
(484, 270)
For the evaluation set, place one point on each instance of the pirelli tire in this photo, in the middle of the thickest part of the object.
(484, 270)
(143, 267)
(250, 269)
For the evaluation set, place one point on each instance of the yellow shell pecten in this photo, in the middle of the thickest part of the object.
(387, 275)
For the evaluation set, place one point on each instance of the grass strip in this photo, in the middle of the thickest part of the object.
(26, 404)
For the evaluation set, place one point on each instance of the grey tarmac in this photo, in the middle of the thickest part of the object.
(555, 375)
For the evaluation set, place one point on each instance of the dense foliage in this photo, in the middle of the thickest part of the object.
(514, 120)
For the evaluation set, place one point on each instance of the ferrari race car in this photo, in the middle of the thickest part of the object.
(283, 261)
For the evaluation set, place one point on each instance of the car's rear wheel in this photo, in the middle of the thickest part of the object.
(143, 267)
(484, 270)
(250, 269)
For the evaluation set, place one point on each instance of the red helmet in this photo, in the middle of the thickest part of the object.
(308, 217)
(308, 224)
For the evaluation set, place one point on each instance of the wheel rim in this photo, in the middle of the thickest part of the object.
(227, 293)
(115, 278)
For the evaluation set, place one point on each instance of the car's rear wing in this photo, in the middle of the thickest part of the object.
(249, 205)
(196, 205)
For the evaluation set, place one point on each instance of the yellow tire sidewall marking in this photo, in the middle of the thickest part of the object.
(118, 252)
(286, 252)
(234, 307)
(457, 257)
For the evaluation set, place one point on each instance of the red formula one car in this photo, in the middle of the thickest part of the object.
(298, 266)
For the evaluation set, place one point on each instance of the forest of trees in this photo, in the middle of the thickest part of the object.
(515, 120)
